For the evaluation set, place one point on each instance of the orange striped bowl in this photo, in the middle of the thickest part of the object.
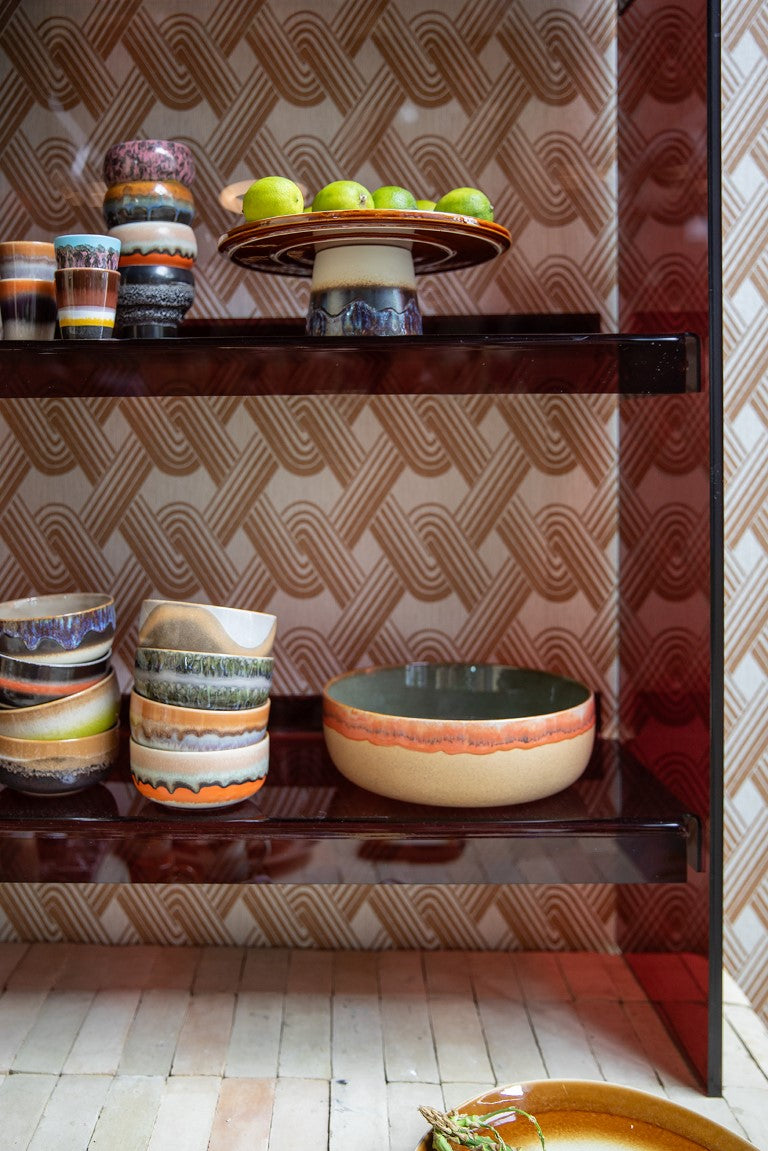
(459, 735)
(199, 779)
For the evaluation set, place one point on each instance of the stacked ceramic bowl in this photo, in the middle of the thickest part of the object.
(59, 697)
(149, 207)
(200, 703)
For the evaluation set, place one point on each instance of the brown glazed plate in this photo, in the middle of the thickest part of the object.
(439, 241)
(578, 1115)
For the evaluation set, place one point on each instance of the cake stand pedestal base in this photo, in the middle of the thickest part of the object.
(363, 290)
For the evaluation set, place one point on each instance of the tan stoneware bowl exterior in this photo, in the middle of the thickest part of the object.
(205, 628)
(165, 725)
(58, 766)
(579, 1114)
(458, 735)
(83, 713)
(199, 779)
(73, 627)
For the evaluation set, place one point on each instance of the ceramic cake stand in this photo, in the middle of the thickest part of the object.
(364, 264)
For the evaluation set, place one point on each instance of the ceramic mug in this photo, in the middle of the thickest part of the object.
(27, 260)
(87, 301)
(28, 309)
(86, 250)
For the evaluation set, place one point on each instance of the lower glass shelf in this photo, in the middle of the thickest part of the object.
(308, 824)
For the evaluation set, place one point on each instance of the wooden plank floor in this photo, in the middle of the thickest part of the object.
(229, 1049)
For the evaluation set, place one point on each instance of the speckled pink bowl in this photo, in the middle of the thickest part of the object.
(149, 160)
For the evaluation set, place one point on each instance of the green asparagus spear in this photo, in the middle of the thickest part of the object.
(451, 1129)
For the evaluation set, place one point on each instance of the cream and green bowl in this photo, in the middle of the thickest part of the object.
(83, 713)
(459, 735)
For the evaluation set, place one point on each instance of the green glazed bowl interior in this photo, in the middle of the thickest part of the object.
(457, 691)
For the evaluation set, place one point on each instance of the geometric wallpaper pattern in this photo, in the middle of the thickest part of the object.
(745, 348)
(377, 531)
(514, 96)
(426, 526)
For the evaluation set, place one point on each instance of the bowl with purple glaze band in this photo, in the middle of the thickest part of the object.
(72, 627)
(149, 160)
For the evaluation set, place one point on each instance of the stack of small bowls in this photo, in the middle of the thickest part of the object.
(149, 207)
(59, 697)
(200, 703)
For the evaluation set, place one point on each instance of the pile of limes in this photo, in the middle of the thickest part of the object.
(279, 196)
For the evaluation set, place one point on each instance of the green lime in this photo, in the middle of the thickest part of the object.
(272, 196)
(342, 196)
(394, 198)
(425, 205)
(466, 202)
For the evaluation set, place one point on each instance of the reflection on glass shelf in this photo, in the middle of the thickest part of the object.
(309, 824)
(461, 362)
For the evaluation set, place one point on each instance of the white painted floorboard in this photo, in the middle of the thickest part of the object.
(229, 1049)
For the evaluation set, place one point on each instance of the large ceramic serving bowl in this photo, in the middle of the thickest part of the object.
(459, 735)
(73, 627)
(164, 725)
(577, 1115)
(60, 766)
(199, 779)
(205, 627)
(87, 712)
(26, 682)
(202, 679)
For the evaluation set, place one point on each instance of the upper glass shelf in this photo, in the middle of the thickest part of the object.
(463, 357)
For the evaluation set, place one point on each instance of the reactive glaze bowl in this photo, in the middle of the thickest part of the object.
(69, 628)
(26, 682)
(165, 725)
(134, 200)
(204, 680)
(86, 712)
(156, 242)
(197, 779)
(149, 160)
(202, 627)
(59, 766)
(459, 735)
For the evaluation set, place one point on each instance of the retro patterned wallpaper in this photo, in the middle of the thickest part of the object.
(291, 90)
(744, 104)
(175, 496)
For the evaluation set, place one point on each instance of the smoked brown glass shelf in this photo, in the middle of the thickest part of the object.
(484, 363)
(308, 824)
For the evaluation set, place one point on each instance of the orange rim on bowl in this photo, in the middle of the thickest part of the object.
(459, 735)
